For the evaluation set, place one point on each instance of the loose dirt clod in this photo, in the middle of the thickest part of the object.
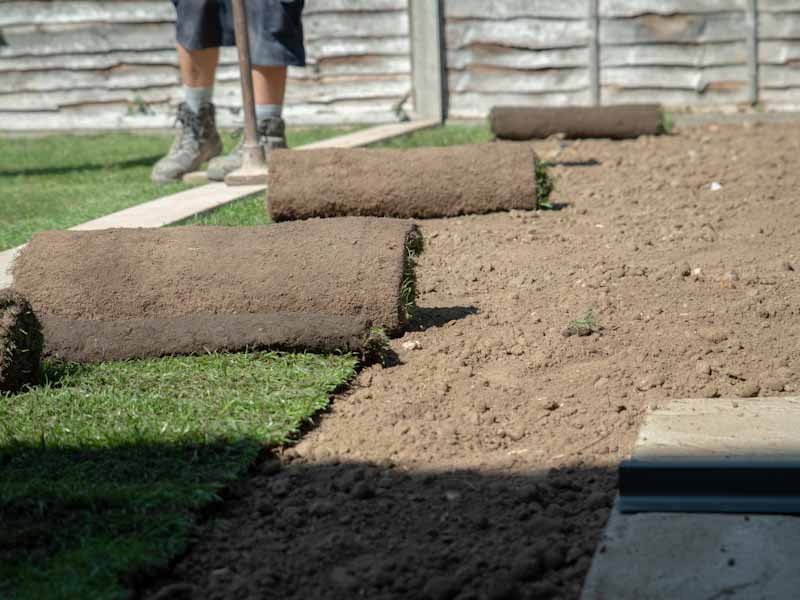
(414, 183)
(339, 267)
(20, 342)
(615, 122)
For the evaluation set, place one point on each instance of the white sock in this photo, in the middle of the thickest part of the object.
(265, 111)
(197, 96)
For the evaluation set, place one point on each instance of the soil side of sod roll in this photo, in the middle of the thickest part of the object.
(99, 341)
(412, 183)
(20, 342)
(615, 122)
(340, 267)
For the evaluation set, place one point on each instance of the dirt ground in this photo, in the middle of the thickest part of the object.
(482, 465)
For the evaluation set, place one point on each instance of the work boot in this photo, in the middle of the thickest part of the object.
(271, 134)
(197, 142)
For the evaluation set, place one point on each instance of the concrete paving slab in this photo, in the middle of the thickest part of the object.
(658, 556)
(679, 555)
(722, 430)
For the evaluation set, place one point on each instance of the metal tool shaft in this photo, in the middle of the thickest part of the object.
(253, 163)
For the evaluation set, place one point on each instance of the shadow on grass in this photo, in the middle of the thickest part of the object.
(144, 161)
(366, 530)
(74, 521)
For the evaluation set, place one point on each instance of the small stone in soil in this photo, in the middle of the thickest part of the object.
(363, 491)
(501, 587)
(748, 390)
(702, 368)
(412, 345)
(342, 579)
(653, 380)
(440, 587)
(709, 391)
(527, 567)
(729, 279)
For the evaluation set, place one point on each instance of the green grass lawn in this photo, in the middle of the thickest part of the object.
(448, 135)
(104, 466)
(60, 181)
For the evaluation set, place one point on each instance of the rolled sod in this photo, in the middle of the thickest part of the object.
(412, 183)
(100, 341)
(616, 122)
(20, 342)
(292, 273)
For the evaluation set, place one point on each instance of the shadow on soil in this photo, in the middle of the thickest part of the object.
(426, 318)
(364, 530)
(144, 161)
(574, 163)
(89, 518)
(556, 206)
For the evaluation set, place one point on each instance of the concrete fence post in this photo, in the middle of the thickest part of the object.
(427, 58)
(752, 50)
(594, 52)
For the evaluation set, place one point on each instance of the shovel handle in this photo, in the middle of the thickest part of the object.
(245, 67)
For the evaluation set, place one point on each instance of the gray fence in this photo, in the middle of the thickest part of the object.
(66, 65)
(83, 65)
(677, 52)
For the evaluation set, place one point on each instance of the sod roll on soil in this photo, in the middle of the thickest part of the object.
(616, 122)
(413, 183)
(20, 342)
(300, 275)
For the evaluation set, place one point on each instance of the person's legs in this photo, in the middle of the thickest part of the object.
(198, 67)
(269, 87)
(198, 38)
(276, 41)
(198, 70)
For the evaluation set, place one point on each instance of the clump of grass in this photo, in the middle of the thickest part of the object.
(666, 123)
(544, 186)
(585, 325)
(414, 246)
(376, 346)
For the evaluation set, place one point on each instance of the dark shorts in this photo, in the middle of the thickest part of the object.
(276, 28)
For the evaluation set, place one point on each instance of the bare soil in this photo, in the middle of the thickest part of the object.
(405, 183)
(482, 465)
(620, 122)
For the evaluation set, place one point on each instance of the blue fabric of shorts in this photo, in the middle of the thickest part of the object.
(276, 28)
